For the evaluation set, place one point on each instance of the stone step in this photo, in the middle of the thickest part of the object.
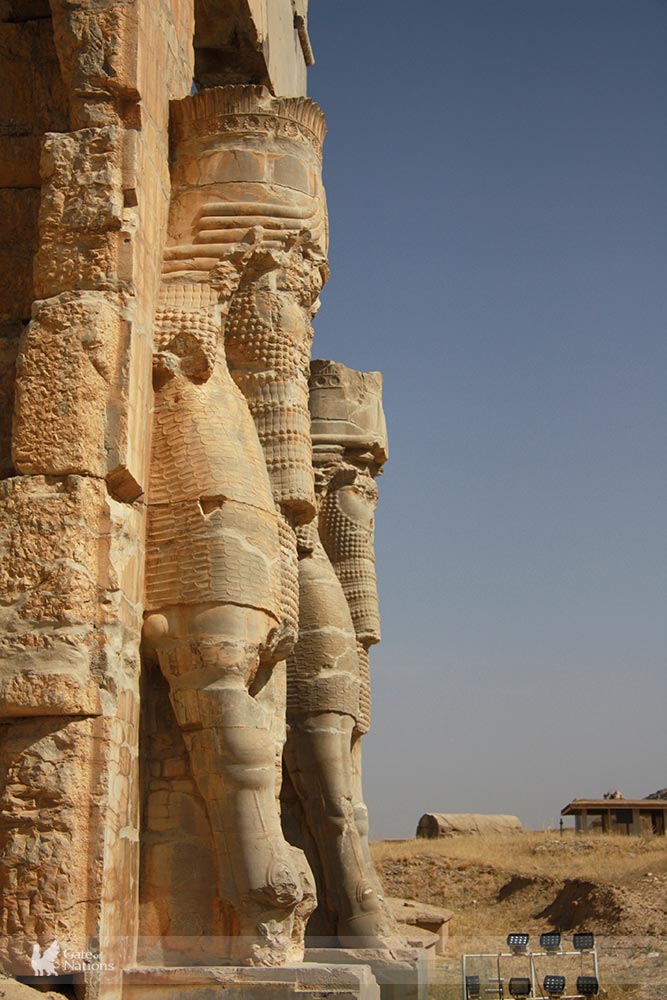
(309, 981)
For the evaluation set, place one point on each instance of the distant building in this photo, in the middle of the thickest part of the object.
(641, 817)
(455, 824)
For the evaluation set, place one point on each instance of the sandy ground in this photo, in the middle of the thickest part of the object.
(535, 882)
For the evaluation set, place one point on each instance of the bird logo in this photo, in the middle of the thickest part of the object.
(43, 961)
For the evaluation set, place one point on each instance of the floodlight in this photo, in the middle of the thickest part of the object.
(520, 987)
(588, 986)
(554, 986)
(583, 941)
(473, 991)
(518, 943)
(550, 941)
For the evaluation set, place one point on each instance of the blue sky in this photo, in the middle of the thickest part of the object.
(495, 171)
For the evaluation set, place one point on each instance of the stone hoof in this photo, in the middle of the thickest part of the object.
(367, 897)
(267, 942)
(306, 906)
(282, 886)
(364, 930)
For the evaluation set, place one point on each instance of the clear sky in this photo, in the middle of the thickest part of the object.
(496, 175)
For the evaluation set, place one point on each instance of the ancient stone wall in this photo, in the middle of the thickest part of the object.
(164, 238)
(84, 173)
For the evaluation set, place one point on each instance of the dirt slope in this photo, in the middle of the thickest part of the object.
(534, 882)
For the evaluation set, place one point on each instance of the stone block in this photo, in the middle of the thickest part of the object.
(71, 586)
(19, 161)
(28, 692)
(11, 989)
(49, 863)
(9, 346)
(88, 244)
(18, 242)
(34, 101)
(68, 845)
(234, 165)
(282, 47)
(402, 974)
(310, 982)
(346, 408)
(97, 48)
(67, 374)
(180, 910)
(292, 173)
(429, 919)
(81, 212)
(23, 10)
(55, 540)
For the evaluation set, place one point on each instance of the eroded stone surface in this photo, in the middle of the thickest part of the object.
(225, 479)
(158, 484)
(9, 348)
(10, 989)
(36, 100)
(67, 372)
(18, 242)
(328, 681)
(310, 981)
(46, 895)
(97, 46)
(81, 212)
(76, 394)
(401, 973)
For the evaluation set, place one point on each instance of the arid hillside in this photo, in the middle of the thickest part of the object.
(534, 882)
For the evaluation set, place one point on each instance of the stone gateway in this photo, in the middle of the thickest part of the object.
(186, 527)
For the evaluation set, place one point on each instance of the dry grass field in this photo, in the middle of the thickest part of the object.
(535, 882)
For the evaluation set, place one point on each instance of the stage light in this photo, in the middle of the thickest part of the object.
(587, 986)
(518, 943)
(520, 987)
(473, 991)
(550, 941)
(554, 986)
(583, 941)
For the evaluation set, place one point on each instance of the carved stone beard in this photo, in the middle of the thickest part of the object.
(346, 526)
(268, 338)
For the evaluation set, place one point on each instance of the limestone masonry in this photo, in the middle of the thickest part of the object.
(186, 535)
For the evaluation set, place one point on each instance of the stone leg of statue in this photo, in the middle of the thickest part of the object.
(324, 688)
(361, 819)
(210, 656)
(319, 760)
(360, 807)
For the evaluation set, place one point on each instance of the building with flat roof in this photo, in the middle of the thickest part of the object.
(640, 817)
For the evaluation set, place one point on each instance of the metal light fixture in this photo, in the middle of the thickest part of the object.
(554, 986)
(473, 991)
(583, 941)
(587, 986)
(520, 987)
(518, 943)
(550, 942)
